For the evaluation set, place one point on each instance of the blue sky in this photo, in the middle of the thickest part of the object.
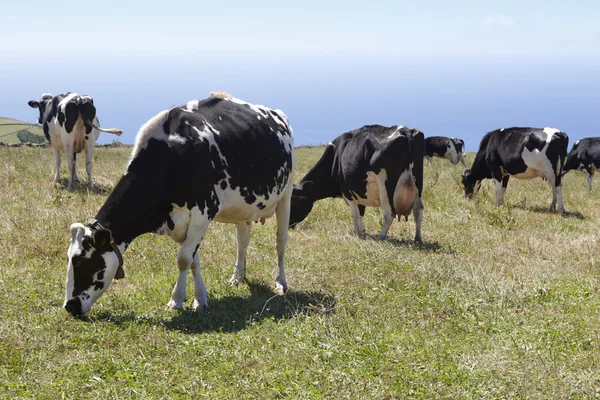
(457, 68)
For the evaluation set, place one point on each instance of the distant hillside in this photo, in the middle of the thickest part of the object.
(9, 128)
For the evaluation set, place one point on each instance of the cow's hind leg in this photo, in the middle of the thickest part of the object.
(56, 165)
(243, 240)
(384, 199)
(418, 216)
(88, 162)
(283, 217)
(71, 162)
(185, 257)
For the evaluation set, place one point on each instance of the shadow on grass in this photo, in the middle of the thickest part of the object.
(434, 247)
(545, 210)
(82, 187)
(233, 313)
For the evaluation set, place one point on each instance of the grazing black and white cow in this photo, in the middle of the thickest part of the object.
(585, 157)
(445, 147)
(524, 153)
(373, 166)
(69, 122)
(218, 159)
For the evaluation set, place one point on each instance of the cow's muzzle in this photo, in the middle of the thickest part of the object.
(73, 307)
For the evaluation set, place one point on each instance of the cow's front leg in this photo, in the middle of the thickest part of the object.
(556, 185)
(590, 173)
(185, 257)
(56, 164)
(501, 189)
(359, 227)
(282, 212)
(243, 240)
(88, 162)
(200, 295)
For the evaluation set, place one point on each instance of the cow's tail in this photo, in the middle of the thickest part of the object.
(114, 131)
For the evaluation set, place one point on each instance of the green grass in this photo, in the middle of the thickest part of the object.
(8, 133)
(497, 302)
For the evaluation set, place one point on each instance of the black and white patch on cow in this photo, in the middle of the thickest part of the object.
(584, 157)
(373, 166)
(70, 124)
(444, 147)
(523, 153)
(219, 159)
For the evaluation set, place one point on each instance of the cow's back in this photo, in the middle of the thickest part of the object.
(233, 159)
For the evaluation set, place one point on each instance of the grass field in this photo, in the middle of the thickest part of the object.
(497, 302)
(8, 133)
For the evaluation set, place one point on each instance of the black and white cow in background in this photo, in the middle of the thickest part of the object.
(523, 153)
(70, 124)
(373, 166)
(584, 157)
(445, 147)
(218, 159)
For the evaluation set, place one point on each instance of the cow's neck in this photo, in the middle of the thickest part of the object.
(138, 204)
(322, 176)
(480, 170)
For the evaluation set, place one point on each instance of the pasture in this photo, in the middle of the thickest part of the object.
(10, 127)
(496, 303)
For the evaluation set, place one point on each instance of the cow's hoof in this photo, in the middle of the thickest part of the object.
(418, 240)
(281, 289)
(236, 280)
(172, 306)
(200, 307)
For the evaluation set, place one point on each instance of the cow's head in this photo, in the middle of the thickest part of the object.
(470, 184)
(41, 105)
(94, 261)
(302, 202)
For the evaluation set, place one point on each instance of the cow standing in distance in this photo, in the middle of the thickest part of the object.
(584, 157)
(445, 147)
(70, 124)
(524, 153)
(219, 159)
(373, 166)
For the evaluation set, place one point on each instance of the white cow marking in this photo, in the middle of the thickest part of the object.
(396, 132)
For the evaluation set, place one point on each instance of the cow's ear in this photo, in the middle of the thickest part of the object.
(77, 231)
(307, 187)
(101, 238)
(33, 104)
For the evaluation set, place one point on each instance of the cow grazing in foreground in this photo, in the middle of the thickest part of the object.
(523, 153)
(445, 147)
(373, 166)
(585, 157)
(217, 159)
(69, 122)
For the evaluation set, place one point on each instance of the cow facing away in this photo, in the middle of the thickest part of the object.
(524, 153)
(70, 124)
(444, 147)
(202, 162)
(373, 166)
(584, 157)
